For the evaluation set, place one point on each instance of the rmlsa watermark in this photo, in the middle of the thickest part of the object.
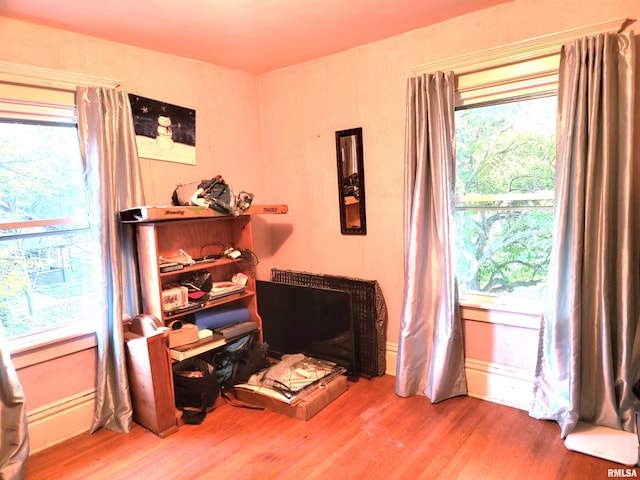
(622, 473)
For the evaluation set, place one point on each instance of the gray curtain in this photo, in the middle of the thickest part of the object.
(588, 358)
(108, 145)
(14, 435)
(431, 348)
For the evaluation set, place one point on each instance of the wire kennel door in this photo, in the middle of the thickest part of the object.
(368, 309)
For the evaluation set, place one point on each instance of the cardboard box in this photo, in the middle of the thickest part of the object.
(305, 408)
(173, 298)
(183, 336)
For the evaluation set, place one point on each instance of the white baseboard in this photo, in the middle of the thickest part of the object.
(60, 421)
(72, 416)
(391, 358)
(487, 381)
(499, 383)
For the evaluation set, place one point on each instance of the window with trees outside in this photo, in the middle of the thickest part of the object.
(50, 268)
(505, 169)
(505, 124)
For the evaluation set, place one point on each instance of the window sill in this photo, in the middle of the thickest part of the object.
(41, 347)
(511, 311)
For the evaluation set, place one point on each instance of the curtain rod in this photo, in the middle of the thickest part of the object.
(66, 81)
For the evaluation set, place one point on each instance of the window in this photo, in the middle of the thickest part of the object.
(50, 267)
(505, 167)
(505, 121)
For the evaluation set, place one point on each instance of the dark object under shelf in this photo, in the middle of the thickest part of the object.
(369, 312)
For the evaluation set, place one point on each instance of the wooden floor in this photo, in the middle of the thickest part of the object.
(367, 433)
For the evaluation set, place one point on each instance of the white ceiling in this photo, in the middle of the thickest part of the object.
(256, 36)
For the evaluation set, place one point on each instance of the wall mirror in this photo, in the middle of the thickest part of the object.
(351, 182)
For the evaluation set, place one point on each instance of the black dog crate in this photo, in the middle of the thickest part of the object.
(368, 309)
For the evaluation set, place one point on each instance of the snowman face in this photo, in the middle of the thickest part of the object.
(164, 121)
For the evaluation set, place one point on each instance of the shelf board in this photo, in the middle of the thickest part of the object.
(200, 266)
(232, 297)
(152, 214)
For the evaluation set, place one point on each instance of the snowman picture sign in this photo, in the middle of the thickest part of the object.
(164, 131)
(164, 140)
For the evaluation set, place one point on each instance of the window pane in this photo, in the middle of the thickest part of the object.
(48, 282)
(505, 169)
(41, 176)
(50, 276)
(503, 251)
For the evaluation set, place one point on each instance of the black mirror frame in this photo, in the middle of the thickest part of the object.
(344, 228)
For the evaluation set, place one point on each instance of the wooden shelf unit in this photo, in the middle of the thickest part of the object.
(163, 232)
(197, 237)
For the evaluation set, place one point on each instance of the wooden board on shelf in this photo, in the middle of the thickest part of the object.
(205, 305)
(152, 214)
(203, 345)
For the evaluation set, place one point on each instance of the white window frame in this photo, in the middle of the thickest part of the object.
(521, 69)
(45, 95)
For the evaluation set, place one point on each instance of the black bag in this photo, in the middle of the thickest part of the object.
(218, 195)
(196, 388)
(239, 360)
(214, 193)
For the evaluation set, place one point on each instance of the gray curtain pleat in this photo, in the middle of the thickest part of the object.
(587, 363)
(431, 348)
(108, 143)
(14, 434)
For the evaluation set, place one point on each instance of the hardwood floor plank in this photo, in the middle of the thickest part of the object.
(368, 432)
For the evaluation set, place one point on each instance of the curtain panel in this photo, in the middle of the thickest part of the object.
(430, 350)
(109, 150)
(14, 434)
(588, 356)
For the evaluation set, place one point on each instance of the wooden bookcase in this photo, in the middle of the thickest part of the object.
(198, 237)
(164, 232)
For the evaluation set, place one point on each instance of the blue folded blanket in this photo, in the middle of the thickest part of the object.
(219, 317)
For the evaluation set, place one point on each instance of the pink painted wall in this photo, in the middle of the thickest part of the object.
(47, 382)
(301, 107)
(226, 101)
(227, 140)
(273, 135)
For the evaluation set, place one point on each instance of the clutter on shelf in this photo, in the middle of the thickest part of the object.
(214, 193)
